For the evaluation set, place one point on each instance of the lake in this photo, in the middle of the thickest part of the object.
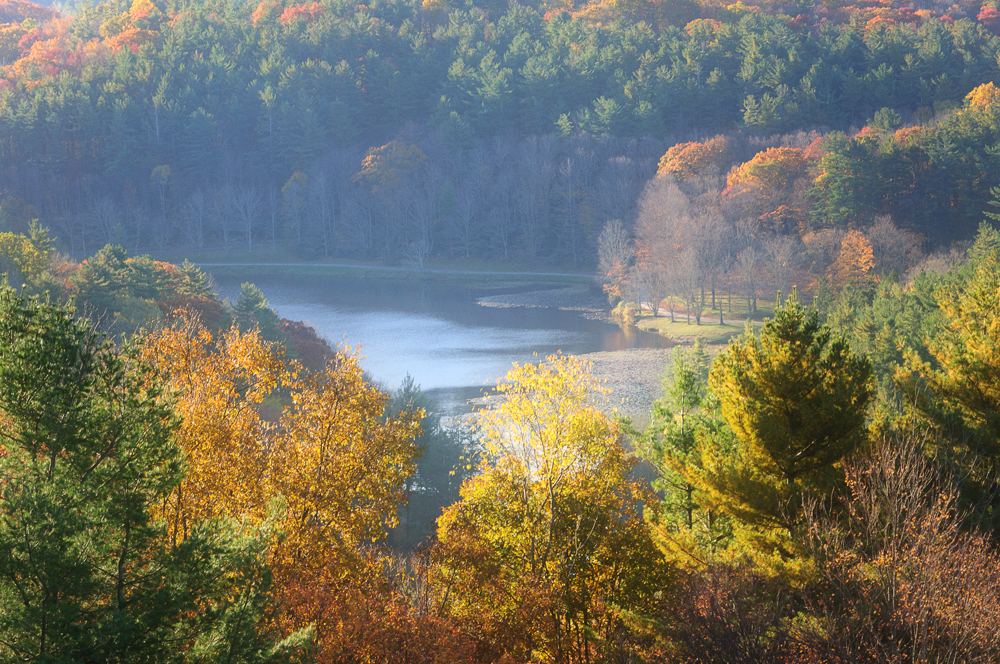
(436, 330)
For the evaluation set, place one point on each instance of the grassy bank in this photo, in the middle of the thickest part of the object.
(682, 332)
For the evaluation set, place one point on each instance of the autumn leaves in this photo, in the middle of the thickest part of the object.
(337, 463)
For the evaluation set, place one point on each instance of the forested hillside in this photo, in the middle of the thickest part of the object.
(401, 130)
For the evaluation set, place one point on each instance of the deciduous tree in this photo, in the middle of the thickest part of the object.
(87, 570)
(546, 547)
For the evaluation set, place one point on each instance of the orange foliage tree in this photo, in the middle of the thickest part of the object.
(766, 183)
(686, 160)
(338, 463)
(854, 262)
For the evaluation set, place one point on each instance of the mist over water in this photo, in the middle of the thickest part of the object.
(435, 330)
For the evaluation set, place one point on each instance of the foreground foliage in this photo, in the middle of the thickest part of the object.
(88, 572)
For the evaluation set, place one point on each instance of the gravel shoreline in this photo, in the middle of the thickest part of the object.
(634, 377)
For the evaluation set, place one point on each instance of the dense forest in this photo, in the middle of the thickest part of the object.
(188, 479)
(407, 131)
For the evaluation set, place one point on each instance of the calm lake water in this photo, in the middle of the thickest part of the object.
(435, 330)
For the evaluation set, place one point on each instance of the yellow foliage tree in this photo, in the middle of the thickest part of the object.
(339, 464)
(19, 252)
(686, 160)
(220, 387)
(547, 546)
(983, 97)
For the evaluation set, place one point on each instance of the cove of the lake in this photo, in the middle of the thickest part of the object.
(437, 330)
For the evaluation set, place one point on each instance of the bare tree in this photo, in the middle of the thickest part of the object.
(783, 253)
(685, 278)
(466, 213)
(614, 256)
(646, 284)
(904, 581)
(223, 212)
(319, 208)
(894, 249)
(533, 183)
(194, 215)
(248, 207)
(748, 264)
(273, 203)
(106, 219)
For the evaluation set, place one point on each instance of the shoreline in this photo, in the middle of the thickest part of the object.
(632, 374)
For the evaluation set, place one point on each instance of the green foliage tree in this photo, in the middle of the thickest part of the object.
(193, 281)
(252, 310)
(966, 350)
(87, 454)
(796, 399)
(885, 324)
(685, 413)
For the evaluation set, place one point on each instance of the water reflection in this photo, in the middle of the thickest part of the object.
(435, 330)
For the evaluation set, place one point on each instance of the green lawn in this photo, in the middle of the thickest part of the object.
(709, 330)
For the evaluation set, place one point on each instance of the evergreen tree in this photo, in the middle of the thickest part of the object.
(252, 310)
(87, 573)
(966, 352)
(193, 281)
(685, 413)
(796, 398)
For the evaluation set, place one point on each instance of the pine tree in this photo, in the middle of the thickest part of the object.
(796, 398)
(685, 413)
(193, 281)
(252, 310)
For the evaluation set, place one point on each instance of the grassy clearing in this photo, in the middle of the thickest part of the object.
(709, 330)
(737, 308)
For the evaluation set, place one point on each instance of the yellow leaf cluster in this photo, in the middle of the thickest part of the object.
(220, 387)
(19, 251)
(983, 97)
(548, 535)
(338, 463)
